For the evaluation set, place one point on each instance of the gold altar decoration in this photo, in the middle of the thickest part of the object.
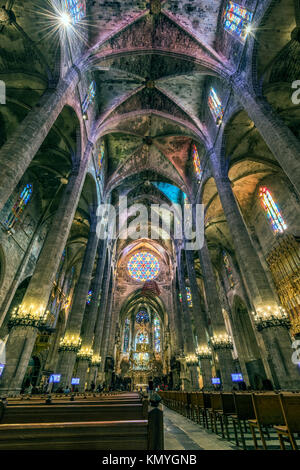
(284, 264)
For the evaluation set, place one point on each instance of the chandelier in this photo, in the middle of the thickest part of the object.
(70, 343)
(191, 360)
(204, 352)
(221, 342)
(270, 317)
(34, 317)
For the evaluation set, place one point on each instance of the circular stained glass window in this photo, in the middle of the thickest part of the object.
(143, 266)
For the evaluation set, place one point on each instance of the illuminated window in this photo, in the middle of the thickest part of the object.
(89, 98)
(189, 297)
(100, 160)
(157, 335)
(228, 269)
(76, 9)
(19, 206)
(180, 297)
(142, 317)
(126, 335)
(89, 297)
(196, 161)
(237, 20)
(143, 266)
(272, 210)
(215, 106)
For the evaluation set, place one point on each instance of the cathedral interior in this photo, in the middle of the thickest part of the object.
(176, 108)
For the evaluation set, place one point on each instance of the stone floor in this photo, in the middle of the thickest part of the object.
(183, 434)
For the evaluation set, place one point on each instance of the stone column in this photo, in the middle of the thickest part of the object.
(100, 320)
(175, 323)
(89, 321)
(33, 309)
(219, 341)
(200, 322)
(19, 150)
(189, 343)
(257, 285)
(72, 341)
(281, 141)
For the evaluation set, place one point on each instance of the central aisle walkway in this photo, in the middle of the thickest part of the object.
(183, 434)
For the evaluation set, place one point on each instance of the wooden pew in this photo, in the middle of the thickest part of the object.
(290, 405)
(71, 412)
(243, 412)
(112, 435)
(268, 412)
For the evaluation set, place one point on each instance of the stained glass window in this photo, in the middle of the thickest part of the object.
(143, 266)
(101, 155)
(272, 210)
(237, 20)
(76, 9)
(126, 335)
(196, 161)
(19, 206)
(189, 297)
(142, 317)
(215, 106)
(180, 297)
(89, 297)
(89, 98)
(157, 342)
(228, 269)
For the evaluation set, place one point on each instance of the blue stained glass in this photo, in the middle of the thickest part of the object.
(89, 297)
(215, 106)
(142, 317)
(272, 211)
(126, 335)
(19, 206)
(143, 266)
(76, 9)
(90, 96)
(157, 335)
(237, 20)
(172, 192)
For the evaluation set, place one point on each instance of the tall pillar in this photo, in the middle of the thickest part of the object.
(280, 139)
(220, 342)
(107, 338)
(71, 343)
(99, 329)
(89, 320)
(189, 340)
(285, 373)
(19, 150)
(200, 323)
(32, 313)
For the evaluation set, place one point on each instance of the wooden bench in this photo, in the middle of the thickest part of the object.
(268, 412)
(290, 405)
(71, 412)
(112, 435)
(243, 412)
